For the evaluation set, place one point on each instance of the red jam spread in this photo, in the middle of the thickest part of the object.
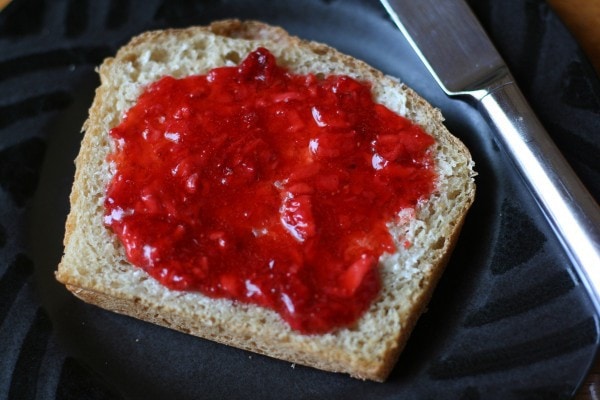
(259, 185)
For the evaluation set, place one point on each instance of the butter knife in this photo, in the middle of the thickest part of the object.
(454, 47)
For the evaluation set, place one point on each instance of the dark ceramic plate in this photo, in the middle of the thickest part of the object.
(509, 319)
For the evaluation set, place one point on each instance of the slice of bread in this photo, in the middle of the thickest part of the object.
(94, 266)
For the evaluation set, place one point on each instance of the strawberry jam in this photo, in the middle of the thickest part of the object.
(266, 187)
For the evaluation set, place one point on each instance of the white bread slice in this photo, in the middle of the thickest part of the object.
(94, 266)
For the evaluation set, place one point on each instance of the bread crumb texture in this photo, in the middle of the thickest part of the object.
(94, 266)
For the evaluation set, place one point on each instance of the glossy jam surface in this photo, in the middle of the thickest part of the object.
(266, 187)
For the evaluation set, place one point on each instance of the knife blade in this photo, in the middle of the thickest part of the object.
(456, 50)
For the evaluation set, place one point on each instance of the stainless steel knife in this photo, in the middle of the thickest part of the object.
(450, 41)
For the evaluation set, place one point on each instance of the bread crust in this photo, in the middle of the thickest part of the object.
(94, 267)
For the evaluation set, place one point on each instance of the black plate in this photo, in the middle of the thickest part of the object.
(509, 319)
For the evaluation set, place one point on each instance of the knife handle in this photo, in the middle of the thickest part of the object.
(570, 209)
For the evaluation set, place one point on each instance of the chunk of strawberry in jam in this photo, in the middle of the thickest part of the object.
(266, 187)
(297, 217)
(351, 279)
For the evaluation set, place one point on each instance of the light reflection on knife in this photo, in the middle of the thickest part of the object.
(450, 41)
